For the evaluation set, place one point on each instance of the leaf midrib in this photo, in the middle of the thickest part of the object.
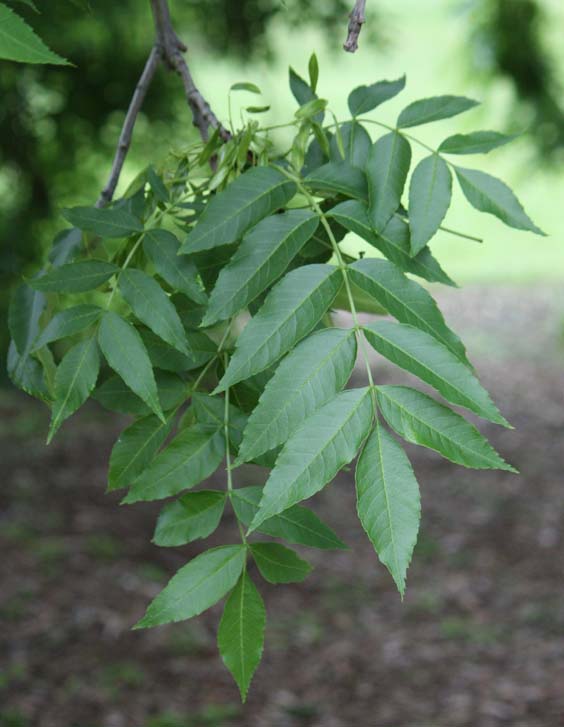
(433, 372)
(295, 394)
(283, 322)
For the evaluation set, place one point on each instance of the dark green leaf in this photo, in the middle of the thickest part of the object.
(264, 255)
(422, 420)
(126, 354)
(194, 515)
(66, 323)
(303, 93)
(197, 586)
(405, 299)
(365, 98)
(18, 42)
(297, 524)
(491, 195)
(27, 374)
(386, 170)
(356, 145)
(211, 410)
(478, 142)
(326, 442)
(240, 637)
(161, 247)
(151, 306)
(105, 222)
(193, 455)
(338, 178)
(201, 350)
(255, 194)
(278, 564)
(388, 502)
(75, 277)
(292, 309)
(24, 313)
(75, 378)
(115, 395)
(157, 186)
(393, 241)
(434, 109)
(306, 379)
(430, 193)
(422, 355)
(66, 246)
(135, 449)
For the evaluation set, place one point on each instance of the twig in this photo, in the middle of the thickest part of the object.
(356, 20)
(169, 49)
(172, 48)
(128, 124)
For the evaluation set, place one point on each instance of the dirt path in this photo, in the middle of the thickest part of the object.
(478, 641)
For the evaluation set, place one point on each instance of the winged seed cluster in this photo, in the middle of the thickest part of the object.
(145, 305)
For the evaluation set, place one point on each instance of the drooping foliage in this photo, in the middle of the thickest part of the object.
(201, 305)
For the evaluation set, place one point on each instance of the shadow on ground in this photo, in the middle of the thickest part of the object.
(478, 641)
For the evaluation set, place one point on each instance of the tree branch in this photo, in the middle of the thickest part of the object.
(356, 20)
(127, 128)
(169, 49)
(172, 48)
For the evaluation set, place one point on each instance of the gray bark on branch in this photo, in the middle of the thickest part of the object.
(356, 21)
(169, 49)
(127, 128)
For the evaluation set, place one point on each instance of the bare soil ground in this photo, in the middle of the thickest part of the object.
(477, 642)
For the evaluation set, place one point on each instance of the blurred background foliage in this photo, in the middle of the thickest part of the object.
(59, 125)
